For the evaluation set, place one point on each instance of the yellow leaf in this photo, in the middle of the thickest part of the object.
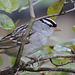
(72, 47)
(55, 8)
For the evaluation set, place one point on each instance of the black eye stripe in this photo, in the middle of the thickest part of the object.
(52, 23)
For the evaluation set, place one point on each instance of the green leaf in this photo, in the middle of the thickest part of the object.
(50, 48)
(59, 61)
(6, 22)
(64, 60)
(55, 8)
(71, 66)
(64, 73)
(73, 28)
(1, 61)
(29, 73)
(56, 61)
(12, 60)
(22, 3)
(64, 47)
(9, 5)
(15, 5)
(72, 47)
(59, 49)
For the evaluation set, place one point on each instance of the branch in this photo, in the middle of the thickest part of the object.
(23, 67)
(51, 57)
(27, 33)
(31, 9)
(56, 56)
(48, 69)
(57, 14)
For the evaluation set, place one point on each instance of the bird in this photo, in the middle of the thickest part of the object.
(38, 37)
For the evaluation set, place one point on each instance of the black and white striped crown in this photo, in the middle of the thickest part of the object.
(49, 22)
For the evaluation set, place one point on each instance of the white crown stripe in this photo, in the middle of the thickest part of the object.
(47, 22)
(51, 20)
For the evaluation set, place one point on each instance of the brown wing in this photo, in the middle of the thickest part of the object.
(14, 38)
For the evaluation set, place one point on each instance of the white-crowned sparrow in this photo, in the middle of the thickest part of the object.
(37, 38)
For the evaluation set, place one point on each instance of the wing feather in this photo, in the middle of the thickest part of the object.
(14, 37)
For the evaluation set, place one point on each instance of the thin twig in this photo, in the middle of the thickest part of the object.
(56, 56)
(51, 57)
(61, 64)
(48, 69)
(57, 14)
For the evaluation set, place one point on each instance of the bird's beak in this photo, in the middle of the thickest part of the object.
(57, 29)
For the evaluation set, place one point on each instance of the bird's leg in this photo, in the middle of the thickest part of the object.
(35, 59)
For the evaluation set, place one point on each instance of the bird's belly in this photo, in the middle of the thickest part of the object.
(34, 45)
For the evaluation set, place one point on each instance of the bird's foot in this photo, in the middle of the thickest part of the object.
(36, 59)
